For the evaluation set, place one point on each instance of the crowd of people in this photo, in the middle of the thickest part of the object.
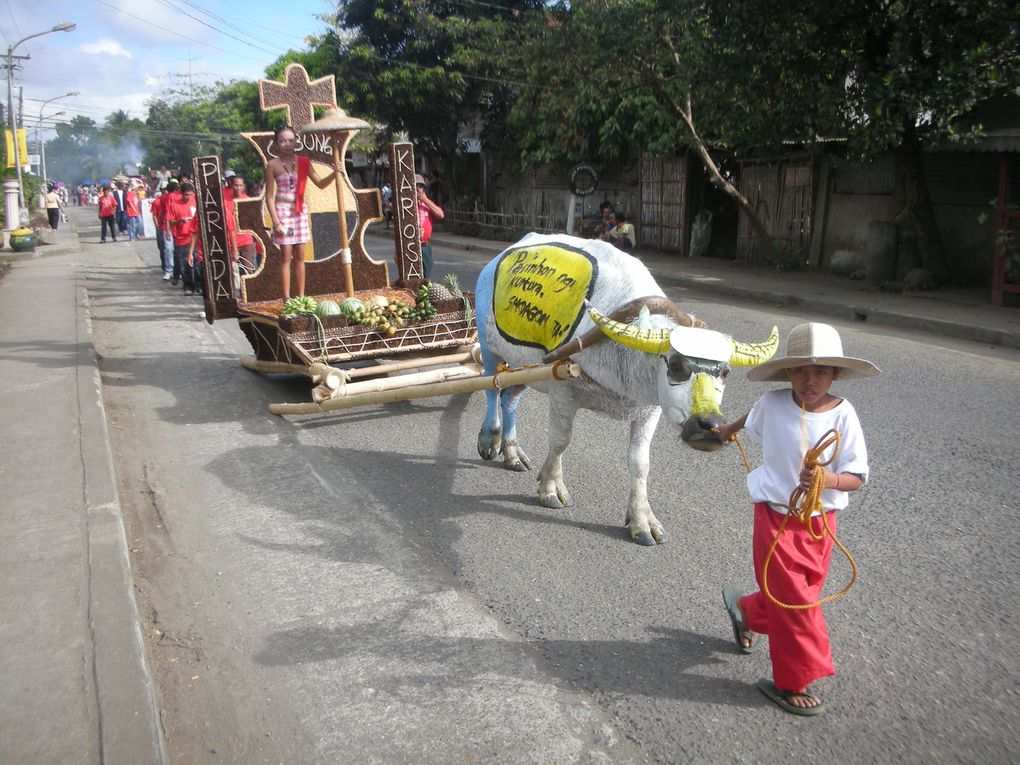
(178, 237)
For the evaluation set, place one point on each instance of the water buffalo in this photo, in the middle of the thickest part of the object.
(550, 296)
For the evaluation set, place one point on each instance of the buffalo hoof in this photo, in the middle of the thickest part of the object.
(556, 500)
(515, 459)
(645, 538)
(490, 444)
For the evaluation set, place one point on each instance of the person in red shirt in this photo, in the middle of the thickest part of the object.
(428, 211)
(133, 211)
(196, 261)
(108, 214)
(182, 217)
(166, 259)
(171, 194)
(241, 244)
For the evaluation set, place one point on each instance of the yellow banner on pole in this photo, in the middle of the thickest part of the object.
(22, 147)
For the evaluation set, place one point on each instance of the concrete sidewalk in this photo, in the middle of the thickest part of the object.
(965, 314)
(74, 682)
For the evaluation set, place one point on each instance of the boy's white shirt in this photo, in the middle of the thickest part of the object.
(775, 422)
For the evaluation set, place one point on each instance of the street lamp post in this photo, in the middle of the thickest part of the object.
(66, 26)
(42, 143)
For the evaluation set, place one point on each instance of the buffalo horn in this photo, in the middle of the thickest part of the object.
(753, 354)
(626, 312)
(630, 335)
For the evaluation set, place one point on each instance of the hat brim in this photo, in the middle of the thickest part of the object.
(775, 370)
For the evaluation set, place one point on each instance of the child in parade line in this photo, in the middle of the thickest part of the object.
(108, 214)
(286, 177)
(133, 211)
(787, 422)
(196, 262)
(182, 217)
(241, 244)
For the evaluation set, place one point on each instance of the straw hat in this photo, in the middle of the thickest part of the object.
(812, 343)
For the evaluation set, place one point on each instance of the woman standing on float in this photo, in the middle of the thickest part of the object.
(286, 177)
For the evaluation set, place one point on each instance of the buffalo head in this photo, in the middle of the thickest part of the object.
(693, 369)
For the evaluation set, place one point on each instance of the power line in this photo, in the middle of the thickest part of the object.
(227, 22)
(177, 8)
(171, 31)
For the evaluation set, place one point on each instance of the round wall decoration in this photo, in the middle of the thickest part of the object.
(583, 180)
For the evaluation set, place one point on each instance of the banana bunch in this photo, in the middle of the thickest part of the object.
(423, 309)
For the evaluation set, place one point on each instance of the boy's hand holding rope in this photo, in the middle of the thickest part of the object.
(804, 502)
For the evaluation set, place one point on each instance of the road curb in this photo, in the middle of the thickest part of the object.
(129, 726)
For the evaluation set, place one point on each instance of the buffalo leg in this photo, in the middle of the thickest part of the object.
(552, 491)
(641, 522)
(514, 457)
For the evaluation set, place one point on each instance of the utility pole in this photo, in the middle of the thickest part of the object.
(66, 26)
(191, 84)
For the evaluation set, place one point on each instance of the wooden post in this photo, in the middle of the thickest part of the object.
(345, 245)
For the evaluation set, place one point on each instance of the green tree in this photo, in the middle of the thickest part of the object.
(747, 75)
(424, 68)
(204, 121)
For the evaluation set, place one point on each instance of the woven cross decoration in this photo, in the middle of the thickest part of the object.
(297, 94)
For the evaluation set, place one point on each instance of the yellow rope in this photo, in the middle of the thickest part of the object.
(803, 503)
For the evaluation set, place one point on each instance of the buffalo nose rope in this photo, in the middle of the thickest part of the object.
(803, 503)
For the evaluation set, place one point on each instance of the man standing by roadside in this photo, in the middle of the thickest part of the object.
(54, 207)
(427, 212)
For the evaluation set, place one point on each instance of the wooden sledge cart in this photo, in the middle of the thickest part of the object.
(432, 356)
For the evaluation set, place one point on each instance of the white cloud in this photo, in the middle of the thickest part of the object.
(106, 47)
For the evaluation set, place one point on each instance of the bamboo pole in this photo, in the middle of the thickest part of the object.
(317, 373)
(409, 380)
(434, 361)
(545, 373)
(345, 245)
(272, 367)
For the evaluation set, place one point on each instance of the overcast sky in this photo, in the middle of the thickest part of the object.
(124, 52)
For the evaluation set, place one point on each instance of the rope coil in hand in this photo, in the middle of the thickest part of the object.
(802, 505)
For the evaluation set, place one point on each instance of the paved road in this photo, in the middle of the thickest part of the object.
(362, 588)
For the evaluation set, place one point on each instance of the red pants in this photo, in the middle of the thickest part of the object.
(798, 641)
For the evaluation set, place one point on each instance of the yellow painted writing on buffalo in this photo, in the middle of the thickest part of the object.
(539, 293)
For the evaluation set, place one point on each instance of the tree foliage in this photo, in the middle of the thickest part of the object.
(755, 76)
(209, 121)
(424, 68)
